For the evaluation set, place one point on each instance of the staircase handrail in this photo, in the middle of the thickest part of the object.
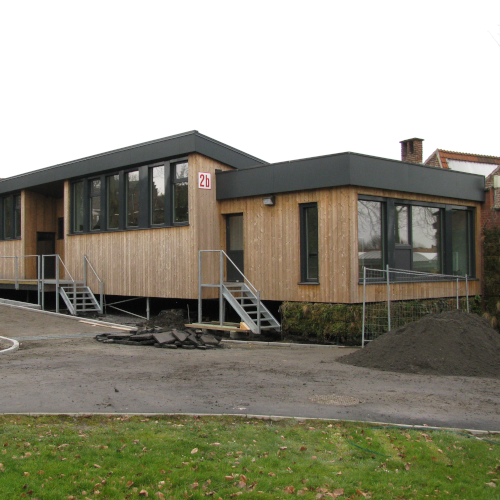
(86, 262)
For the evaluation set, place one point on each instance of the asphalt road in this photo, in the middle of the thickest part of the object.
(60, 368)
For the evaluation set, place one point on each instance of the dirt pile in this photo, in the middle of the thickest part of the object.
(167, 319)
(449, 343)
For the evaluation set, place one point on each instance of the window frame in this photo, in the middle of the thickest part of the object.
(388, 231)
(145, 198)
(304, 244)
(173, 182)
(10, 200)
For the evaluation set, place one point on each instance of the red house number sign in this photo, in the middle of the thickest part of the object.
(204, 180)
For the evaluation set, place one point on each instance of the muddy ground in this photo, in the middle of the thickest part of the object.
(74, 373)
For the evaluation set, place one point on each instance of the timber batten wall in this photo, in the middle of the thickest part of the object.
(272, 246)
(153, 262)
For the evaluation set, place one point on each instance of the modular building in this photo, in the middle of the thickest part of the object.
(297, 230)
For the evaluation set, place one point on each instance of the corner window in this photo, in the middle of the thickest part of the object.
(461, 242)
(113, 206)
(410, 235)
(78, 207)
(17, 216)
(370, 238)
(309, 254)
(95, 204)
(180, 193)
(7, 218)
(132, 190)
(157, 195)
(426, 239)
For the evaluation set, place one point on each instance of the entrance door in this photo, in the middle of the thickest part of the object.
(46, 245)
(234, 246)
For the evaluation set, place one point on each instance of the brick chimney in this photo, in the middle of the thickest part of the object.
(412, 150)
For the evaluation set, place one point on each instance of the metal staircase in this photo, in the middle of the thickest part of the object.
(79, 298)
(242, 296)
(249, 308)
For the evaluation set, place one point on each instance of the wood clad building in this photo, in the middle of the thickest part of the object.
(299, 231)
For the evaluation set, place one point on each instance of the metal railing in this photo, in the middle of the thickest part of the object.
(16, 275)
(383, 317)
(86, 263)
(43, 280)
(220, 285)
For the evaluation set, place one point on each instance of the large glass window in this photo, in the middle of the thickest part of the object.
(17, 216)
(309, 242)
(426, 239)
(370, 240)
(132, 190)
(113, 186)
(157, 193)
(180, 193)
(95, 204)
(78, 207)
(401, 226)
(460, 227)
(7, 218)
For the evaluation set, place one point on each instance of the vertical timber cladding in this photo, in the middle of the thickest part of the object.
(428, 290)
(155, 262)
(272, 246)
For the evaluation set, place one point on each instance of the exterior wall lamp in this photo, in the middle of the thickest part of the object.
(268, 200)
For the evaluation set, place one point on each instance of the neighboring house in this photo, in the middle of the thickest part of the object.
(299, 230)
(489, 166)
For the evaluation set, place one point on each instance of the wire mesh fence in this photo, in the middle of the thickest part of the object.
(402, 297)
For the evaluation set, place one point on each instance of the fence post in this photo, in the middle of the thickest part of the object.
(101, 294)
(57, 283)
(43, 283)
(364, 308)
(16, 272)
(388, 300)
(199, 286)
(39, 283)
(221, 282)
(458, 291)
(84, 270)
(467, 291)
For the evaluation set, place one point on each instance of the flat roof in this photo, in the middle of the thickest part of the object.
(159, 149)
(349, 169)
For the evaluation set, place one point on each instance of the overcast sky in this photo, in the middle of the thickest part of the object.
(280, 80)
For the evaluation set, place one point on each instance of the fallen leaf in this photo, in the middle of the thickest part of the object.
(407, 466)
(229, 478)
(236, 494)
(143, 493)
(194, 485)
(214, 444)
(338, 492)
(129, 484)
(493, 485)
(289, 489)
(194, 450)
(160, 495)
(314, 457)
(26, 474)
(272, 474)
(283, 447)
(97, 466)
(303, 448)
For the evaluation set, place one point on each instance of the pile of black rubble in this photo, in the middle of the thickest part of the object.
(188, 338)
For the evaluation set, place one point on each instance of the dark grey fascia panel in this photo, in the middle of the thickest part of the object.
(225, 154)
(379, 173)
(346, 169)
(149, 152)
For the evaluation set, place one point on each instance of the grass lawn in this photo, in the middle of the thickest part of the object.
(167, 457)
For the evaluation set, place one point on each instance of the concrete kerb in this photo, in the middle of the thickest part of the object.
(271, 418)
(12, 348)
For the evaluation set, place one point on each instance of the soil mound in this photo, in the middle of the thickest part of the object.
(449, 343)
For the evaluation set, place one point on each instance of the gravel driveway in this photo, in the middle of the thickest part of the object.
(60, 368)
